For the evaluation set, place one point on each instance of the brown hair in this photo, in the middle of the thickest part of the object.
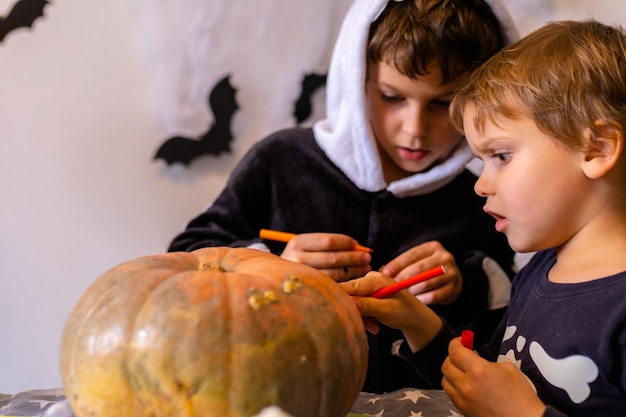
(458, 34)
(564, 76)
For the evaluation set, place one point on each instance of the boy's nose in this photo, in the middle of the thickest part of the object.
(482, 187)
(416, 123)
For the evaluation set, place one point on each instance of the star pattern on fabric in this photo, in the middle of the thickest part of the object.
(414, 395)
(401, 403)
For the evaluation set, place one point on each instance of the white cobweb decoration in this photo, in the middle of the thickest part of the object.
(266, 45)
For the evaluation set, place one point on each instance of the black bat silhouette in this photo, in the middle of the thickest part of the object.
(216, 140)
(22, 15)
(310, 84)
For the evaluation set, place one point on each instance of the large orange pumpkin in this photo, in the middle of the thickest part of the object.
(215, 332)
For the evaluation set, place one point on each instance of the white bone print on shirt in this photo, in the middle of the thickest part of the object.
(573, 374)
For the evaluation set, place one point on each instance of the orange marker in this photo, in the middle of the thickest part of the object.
(400, 285)
(286, 237)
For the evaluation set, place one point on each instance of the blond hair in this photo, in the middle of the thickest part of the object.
(564, 76)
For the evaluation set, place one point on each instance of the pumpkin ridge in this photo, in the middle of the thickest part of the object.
(313, 336)
(230, 374)
(93, 308)
(183, 384)
(327, 401)
(104, 296)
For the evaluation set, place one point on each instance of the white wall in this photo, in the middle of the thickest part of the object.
(79, 190)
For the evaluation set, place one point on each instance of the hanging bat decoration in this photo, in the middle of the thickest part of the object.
(22, 15)
(216, 140)
(310, 84)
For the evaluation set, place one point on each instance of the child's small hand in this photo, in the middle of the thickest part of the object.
(397, 311)
(480, 388)
(444, 289)
(331, 253)
(401, 311)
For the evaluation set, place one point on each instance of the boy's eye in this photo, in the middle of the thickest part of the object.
(389, 98)
(502, 157)
(442, 104)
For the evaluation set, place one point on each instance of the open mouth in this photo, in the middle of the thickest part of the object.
(500, 220)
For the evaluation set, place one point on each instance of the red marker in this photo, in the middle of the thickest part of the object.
(422, 276)
(467, 339)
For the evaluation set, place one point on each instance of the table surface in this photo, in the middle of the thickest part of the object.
(402, 403)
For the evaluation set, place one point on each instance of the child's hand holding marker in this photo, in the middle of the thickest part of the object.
(337, 255)
(467, 339)
(380, 299)
(286, 237)
(415, 279)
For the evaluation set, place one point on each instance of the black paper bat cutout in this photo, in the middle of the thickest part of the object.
(22, 15)
(216, 140)
(310, 84)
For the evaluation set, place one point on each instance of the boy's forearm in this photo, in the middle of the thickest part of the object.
(424, 330)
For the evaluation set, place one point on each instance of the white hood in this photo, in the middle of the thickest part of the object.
(345, 135)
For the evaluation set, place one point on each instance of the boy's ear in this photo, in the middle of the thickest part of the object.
(604, 144)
